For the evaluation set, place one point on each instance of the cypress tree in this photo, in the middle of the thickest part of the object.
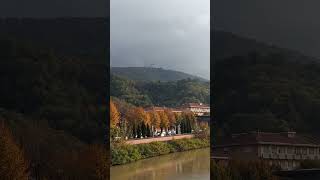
(139, 132)
(148, 131)
(143, 130)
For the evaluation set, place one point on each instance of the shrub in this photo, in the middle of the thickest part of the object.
(309, 164)
(122, 153)
(239, 170)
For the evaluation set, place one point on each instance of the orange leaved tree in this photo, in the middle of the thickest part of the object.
(13, 166)
(164, 121)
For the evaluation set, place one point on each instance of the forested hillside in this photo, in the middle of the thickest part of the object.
(158, 93)
(228, 44)
(151, 74)
(65, 92)
(267, 92)
(53, 95)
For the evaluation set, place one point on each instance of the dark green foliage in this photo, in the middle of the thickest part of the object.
(151, 74)
(267, 92)
(240, 170)
(171, 94)
(53, 96)
(122, 154)
(126, 90)
(310, 164)
(54, 100)
(66, 92)
(139, 132)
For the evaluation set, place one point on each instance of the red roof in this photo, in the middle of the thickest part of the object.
(267, 138)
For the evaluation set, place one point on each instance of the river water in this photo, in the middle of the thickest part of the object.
(189, 165)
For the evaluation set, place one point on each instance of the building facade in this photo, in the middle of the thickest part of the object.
(198, 109)
(286, 150)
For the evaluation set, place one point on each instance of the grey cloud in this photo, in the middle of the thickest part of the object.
(291, 24)
(54, 8)
(172, 34)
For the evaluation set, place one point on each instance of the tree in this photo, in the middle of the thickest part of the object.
(131, 121)
(114, 115)
(164, 120)
(114, 120)
(171, 118)
(154, 120)
(13, 165)
(178, 117)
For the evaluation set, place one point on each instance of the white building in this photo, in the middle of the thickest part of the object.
(198, 108)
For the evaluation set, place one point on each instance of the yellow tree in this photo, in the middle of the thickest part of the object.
(154, 120)
(164, 120)
(114, 115)
(171, 118)
(12, 163)
(141, 115)
(131, 121)
(142, 118)
(135, 117)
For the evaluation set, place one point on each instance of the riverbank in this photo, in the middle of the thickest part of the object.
(188, 165)
(124, 153)
(159, 139)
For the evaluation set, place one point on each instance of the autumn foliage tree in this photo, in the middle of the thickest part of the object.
(13, 165)
(171, 118)
(155, 120)
(141, 118)
(114, 115)
(164, 120)
(114, 120)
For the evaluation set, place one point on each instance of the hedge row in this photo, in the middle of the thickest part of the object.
(122, 154)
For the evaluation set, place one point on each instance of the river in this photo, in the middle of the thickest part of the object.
(189, 165)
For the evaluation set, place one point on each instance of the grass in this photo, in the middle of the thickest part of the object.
(123, 153)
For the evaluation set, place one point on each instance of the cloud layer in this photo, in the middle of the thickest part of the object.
(54, 8)
(172, 34)
(291, 24)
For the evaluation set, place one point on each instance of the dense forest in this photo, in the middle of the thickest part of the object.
(64, 92)
(266, 92)
(160, 93)
(53, 99)
(152, 74)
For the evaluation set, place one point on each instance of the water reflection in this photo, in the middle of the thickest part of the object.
(185, 166)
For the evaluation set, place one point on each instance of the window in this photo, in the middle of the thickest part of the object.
(225, 151)
(247, 149)
(274, 149)
(311, 151)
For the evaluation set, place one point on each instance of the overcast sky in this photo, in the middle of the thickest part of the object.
(291, 24)
(172, 34)
(53, 8)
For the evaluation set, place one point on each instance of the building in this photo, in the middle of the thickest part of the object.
(284, 149)
(155, 108)
(159, 109)
(198, 108)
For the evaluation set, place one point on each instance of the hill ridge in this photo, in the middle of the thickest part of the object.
(153, 74)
